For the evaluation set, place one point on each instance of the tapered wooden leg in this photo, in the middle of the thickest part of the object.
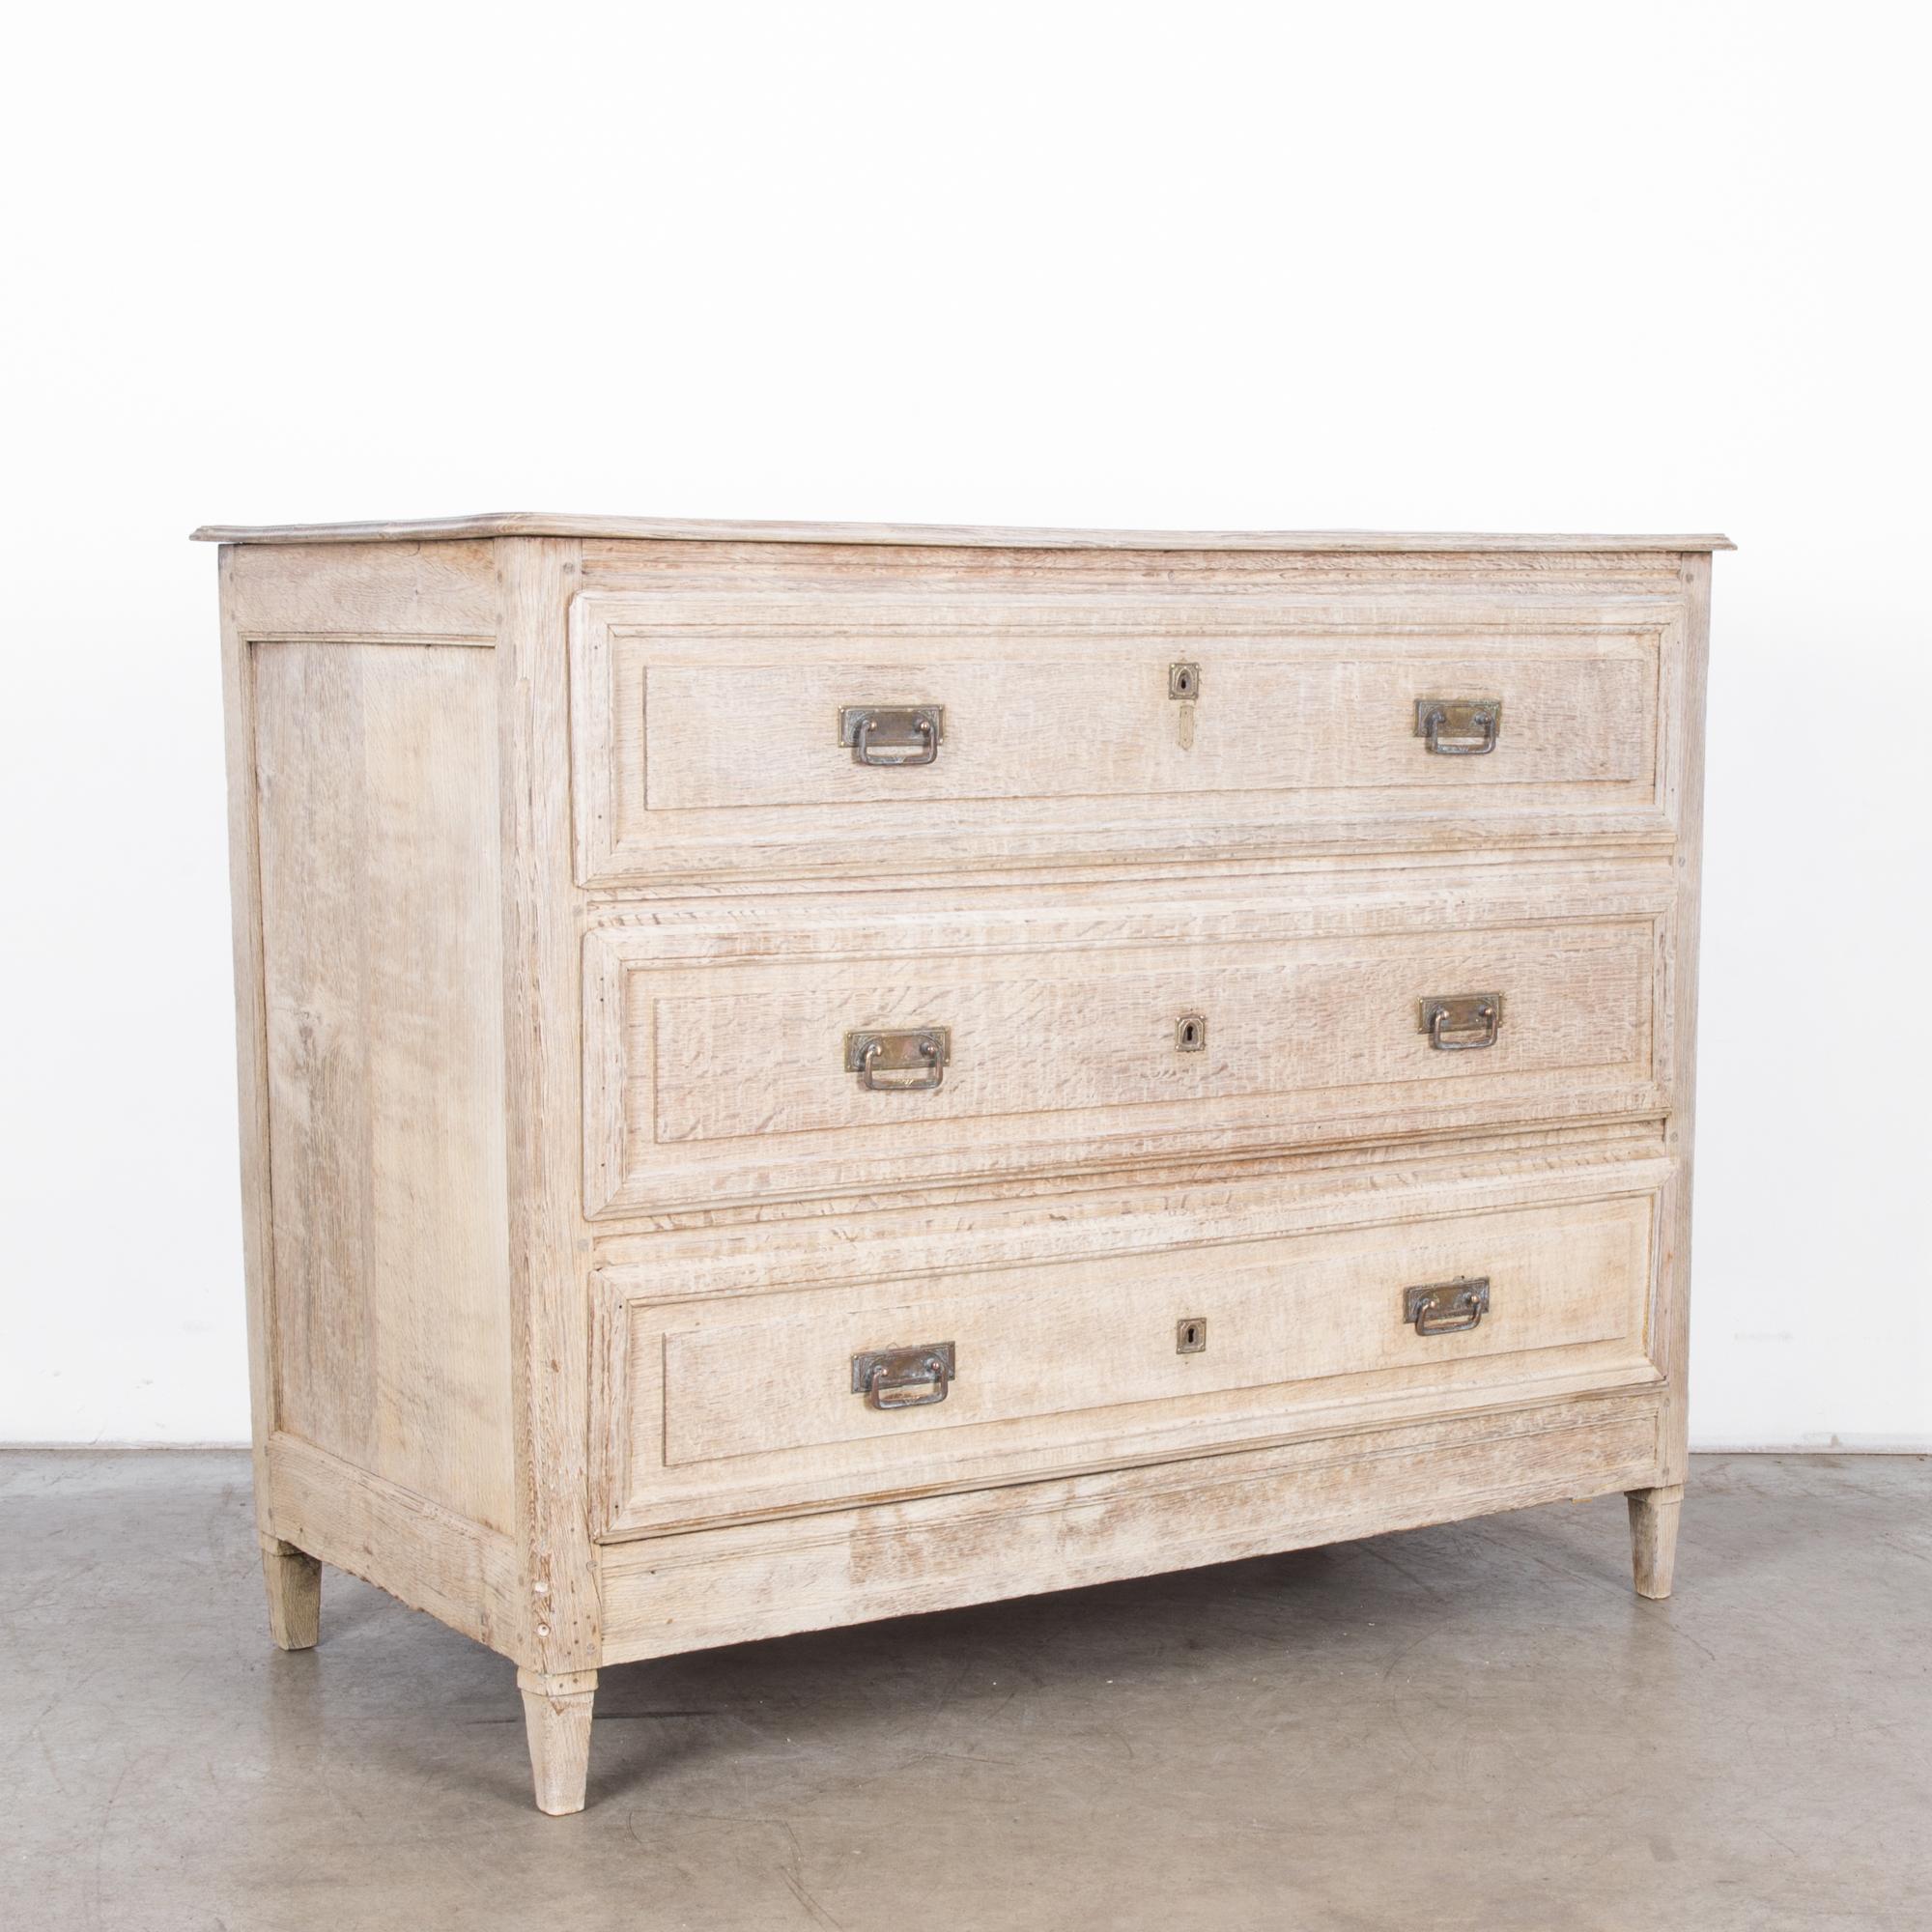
(1654, 1537)
(556, 1713)
(295, 1594)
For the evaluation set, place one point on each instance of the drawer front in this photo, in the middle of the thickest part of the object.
(842, 734)
(726, 1055)
(1111, 1345)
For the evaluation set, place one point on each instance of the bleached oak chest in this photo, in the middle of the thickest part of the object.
(794, 1074)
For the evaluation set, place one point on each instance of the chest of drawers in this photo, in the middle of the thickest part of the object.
(794, 1074)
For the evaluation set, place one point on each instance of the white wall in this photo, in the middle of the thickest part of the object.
(1490, 266)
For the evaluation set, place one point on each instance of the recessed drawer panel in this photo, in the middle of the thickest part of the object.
(775, 1052)
(1101, 1354)
(844, 733)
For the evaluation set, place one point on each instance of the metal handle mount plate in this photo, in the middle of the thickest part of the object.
(1446, 1307)
(923, 1050)
(1461, 1022)
(913, 1378)
(891, 734)
(1460, 727)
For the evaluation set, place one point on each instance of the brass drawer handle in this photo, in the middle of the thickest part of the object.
(908, 734)
(1460, 727)
(1461, 1022)
(894, 1378)
(927, 1048)
(1447, 1307)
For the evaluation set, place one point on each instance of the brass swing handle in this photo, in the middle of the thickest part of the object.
(1447, 1307)
(1460, 727)
(892, 735)
(923, 1051)
(915, 1377)
(1461, 1022)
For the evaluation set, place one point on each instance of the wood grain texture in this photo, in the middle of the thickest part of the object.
(1095, 1343)
(419, 592)
(707, 741)
(552, 524)
(778, 574)
(717, 1402)
(294, 1582)
(383, 1017)
(668, 1594)
(557, 1719)
(431, 1560)
(1652, 1520)
(556, 896)
(548, 1250)
(1674, 1277)
(251, 1030)
(1483, 1166)
(1034, 727)
(714, 1039)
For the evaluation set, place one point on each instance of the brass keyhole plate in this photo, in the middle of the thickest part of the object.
(1190, 1335)
(1190, 1033)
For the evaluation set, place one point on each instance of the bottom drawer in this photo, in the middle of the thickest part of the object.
(1105, 1345)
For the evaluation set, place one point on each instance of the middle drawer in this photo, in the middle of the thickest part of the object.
(812, 1048)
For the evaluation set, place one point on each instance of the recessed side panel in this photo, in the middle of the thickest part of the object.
(375, 771)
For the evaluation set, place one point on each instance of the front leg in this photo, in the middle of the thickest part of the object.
(294, 1581)
(556, 1714)
(1653, 1514)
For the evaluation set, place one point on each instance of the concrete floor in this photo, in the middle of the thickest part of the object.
(1475, 1727)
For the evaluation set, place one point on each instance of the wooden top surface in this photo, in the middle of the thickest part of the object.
(547, 524)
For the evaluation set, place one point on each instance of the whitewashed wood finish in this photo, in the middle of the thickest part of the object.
(714, 1038)
(563, 524)
(460, 1570)
(294, 1581)
(1653, 1518)
(385, 1025)
(555, 898)
(719, 1401)
(1688, 865)
(251, 1030)
(548, 1250)
(557, 1715)
(364, 795)
(442, 593)
(667, 1594)
(707, 743)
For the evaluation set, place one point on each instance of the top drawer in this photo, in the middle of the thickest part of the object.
(812, 736)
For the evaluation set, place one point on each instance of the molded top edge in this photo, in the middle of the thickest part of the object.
(546, 523)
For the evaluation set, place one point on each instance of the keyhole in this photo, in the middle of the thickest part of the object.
(1190, 1335)
(1190, 1033)
(1183, 680)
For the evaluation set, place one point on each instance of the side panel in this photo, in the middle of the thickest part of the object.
(372, 769)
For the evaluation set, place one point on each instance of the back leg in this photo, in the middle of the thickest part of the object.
(295, 1594)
